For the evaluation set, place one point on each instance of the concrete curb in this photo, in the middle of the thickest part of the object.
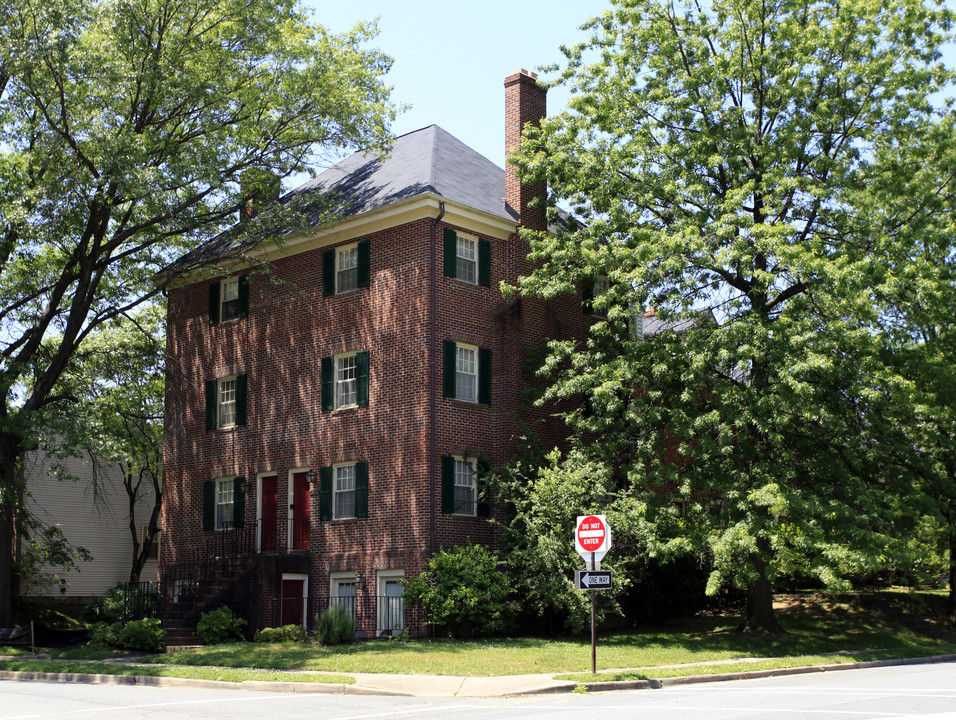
(555, 686)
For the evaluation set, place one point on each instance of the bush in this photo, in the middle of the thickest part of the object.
(336, 626)
(286, 633)
(144, 635)
(464, 589)
(220, 626)
(110, 608)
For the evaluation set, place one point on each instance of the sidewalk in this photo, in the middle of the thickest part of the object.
(451, 686)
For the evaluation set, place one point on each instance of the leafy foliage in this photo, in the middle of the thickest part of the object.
(722, 162)
(335, 626)
(286, 633)
(220, 626)
(464, 589)
(144, 635)
(125, 129)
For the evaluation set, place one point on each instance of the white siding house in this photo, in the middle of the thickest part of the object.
(97, 521)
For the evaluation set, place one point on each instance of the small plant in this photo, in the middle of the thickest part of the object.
(107, 609)
(220, 626)
(144, 635)
(583, 689)
(335, 626)
(286, 633)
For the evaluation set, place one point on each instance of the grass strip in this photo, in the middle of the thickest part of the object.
(224, 674)
(658, 673)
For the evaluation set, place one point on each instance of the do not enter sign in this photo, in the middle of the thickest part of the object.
(592, 535)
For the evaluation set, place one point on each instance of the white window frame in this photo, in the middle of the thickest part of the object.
(345, 388)
(466, 505)
(349, 254)
(225, 487)
(336, 581)
(466, 263)
(225, 407)
(229, 292)
(338, 472)
(461, 387)
(599, 288)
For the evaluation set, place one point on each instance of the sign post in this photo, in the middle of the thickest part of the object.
(592, 540)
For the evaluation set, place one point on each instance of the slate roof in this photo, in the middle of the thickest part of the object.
(426, 160)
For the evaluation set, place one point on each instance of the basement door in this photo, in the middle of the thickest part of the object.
(300, 511)
(269, 519)
(391, 605)
(294, 599)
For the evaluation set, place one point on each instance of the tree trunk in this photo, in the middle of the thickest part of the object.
(758, 615)
(10, 458)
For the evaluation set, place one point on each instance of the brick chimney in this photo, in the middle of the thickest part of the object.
(525, 102)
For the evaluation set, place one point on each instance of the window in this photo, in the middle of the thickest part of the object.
(153, 551)
(461, 489)
(228, 299)
(342, 591)
(226, 400)
(346, 268)
(467, 258)
(345, 380)
(223, 503)
(467, 372)
(594, 288)
(343, 491)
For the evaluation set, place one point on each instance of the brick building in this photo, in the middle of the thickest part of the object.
(328, 421)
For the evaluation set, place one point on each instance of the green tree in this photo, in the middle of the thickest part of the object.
(718, 157)
(117, 383)
(464, 589)
(125, 127)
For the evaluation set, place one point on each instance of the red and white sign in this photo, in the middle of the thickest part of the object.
(592, 535)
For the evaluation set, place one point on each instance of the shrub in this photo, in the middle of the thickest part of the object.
(336, 626)
(286, 633)
(145, 635)
(464, 589)
(220, 626)
(107, 609)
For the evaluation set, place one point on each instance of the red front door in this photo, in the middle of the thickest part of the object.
(268, 523)
(300, 511)
(293, 602)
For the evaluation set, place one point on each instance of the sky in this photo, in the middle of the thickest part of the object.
(451, 58)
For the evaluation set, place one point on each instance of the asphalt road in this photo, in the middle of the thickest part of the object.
(890, 693)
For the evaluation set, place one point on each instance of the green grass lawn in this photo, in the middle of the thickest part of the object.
(819, 630)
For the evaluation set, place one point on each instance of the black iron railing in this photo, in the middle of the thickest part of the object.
(375, 615)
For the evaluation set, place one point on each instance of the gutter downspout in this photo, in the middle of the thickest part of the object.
(432, 473)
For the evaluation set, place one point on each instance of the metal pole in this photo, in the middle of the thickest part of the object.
(593, 628)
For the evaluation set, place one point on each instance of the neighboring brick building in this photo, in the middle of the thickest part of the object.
(327, 422)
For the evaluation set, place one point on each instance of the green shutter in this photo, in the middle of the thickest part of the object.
(364, 269)
(483, 492)
(449, 368)
(212, 404)
(243, 304)
(484, 263)
(209, 505)
(328, 394)
(361, 489)
(214, 303)
(241, 396)
(451, 253)
(328, 272)
(484, 376)
(325, 493)
(238, 502)
(447, 484)
(361, 373)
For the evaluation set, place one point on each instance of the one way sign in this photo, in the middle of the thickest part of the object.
(592, 579)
